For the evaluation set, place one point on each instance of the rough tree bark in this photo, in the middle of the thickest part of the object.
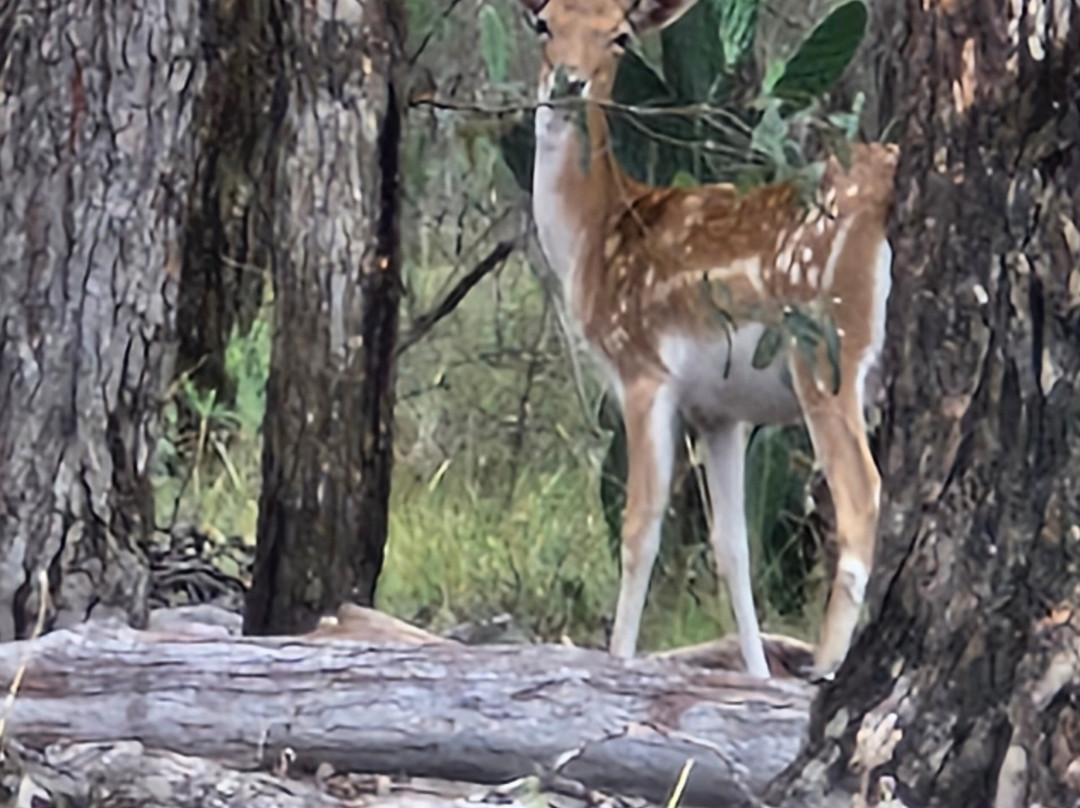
(96, 148)
(486, 714)
(226, 261)
(963, 690)
(328, 426)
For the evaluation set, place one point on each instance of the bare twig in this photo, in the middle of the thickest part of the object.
(688, 110)
(549, 284)
(431, 31)
(522, 421)
(426, 321)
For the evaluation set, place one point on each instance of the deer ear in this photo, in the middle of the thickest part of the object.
(533, 6)
(645, 15)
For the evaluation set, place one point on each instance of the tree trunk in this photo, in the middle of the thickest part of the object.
(228, 237)
(96, 149)
(328, 426)
(972, 650)
(487, 714)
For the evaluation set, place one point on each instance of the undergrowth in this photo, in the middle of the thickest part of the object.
(494, 506)
(495, 499)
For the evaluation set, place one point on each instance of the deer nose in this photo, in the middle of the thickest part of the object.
(576, 87)
(564, 84)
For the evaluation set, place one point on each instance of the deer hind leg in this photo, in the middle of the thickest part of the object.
(725, 449)
(838, 432)
(648, 413)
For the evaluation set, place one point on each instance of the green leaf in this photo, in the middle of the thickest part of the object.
(839, 146)
(823, 55)
(803, 326)
(693, 54)
(770, 134)
(767, 348)
(518, 149)
(494, 44)
(807, 179)
(642, 144)
(848, 122)
(683, 179)
(809, 335)
(738, 22)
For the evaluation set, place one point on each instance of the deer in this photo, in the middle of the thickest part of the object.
(633, 260)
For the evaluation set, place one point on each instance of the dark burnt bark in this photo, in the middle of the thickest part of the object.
(96, 149)
(973, 645)
(328, 427)
(227, 239)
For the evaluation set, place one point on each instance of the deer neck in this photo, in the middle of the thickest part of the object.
(576, 182)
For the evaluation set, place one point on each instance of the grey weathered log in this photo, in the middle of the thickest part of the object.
(127, 773)
(486, 714)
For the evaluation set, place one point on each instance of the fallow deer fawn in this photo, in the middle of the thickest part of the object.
(634, 261)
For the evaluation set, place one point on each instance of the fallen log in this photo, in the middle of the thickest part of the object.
(483, 714)
(787, 657)
(129, 774)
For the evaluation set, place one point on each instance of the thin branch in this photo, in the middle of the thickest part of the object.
(522, 420)
(548, 283)
(498, 110)
(431, 31)
(425, 322)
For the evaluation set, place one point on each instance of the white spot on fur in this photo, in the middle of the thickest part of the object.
(783, 261)
(834, 254)
(854, 576)
(611, 245)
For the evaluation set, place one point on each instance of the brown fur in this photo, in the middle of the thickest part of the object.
(660, 246)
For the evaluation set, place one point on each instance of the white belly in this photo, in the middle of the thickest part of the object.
(707, 394)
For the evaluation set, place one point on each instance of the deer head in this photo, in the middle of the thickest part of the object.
(581, 40)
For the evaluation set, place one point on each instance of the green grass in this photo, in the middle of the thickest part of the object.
(456, 553)
(487, 516)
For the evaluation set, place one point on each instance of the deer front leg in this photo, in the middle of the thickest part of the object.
(838, 432)
(648, 413)
(725, 449)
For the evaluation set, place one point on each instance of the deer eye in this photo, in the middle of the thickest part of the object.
(541, 27)
(622, 41)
